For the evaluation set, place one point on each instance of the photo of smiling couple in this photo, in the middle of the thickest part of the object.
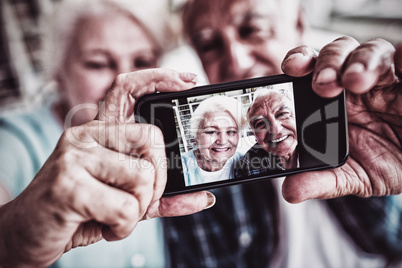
(234, 139)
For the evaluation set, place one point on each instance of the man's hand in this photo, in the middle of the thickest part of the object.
(370, 73)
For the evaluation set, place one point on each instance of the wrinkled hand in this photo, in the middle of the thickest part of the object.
(101, 179)
(374, 109)
(118, 106)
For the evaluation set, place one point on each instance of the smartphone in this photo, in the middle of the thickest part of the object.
(246, 131)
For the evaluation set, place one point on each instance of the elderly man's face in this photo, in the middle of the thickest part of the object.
(273, 122)
(239, 39)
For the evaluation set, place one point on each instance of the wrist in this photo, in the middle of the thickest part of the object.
(18, 247)
(7, 251)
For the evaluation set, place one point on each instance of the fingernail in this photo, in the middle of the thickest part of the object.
(295, 55)
(356, 67)
(326, 75)
(211, 200)
(198, 79)
(188, 77)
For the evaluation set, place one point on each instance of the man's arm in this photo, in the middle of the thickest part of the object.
(370, 73)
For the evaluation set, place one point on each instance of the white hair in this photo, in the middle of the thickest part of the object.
(266, 91)
(60, 25)
(263, 92)
(217, 104)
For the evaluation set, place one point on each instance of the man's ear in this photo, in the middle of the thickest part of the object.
(301, 22)
(58, 80)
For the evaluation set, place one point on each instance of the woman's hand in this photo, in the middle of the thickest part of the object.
(370, 73)
(101, 179)
(118, 106)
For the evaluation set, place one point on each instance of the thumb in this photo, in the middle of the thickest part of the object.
(299, 61)
(181, 205)
(398, 60)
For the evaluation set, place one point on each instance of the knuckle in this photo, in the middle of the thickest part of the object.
(66, 180)
(146, 172)
(78, 136)
(127, 216)
(345, 38)
(340, 46)
(128, 210)
(152, 133)
(120, 79)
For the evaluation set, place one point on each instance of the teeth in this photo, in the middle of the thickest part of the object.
(280, 139)
(220, 149)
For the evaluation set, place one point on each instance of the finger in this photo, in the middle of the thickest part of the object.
(181, 205)
(356, 177)
(131, 141)
(128, 173)
(105, 188)
(369, 65)
(299, 61)
(146, 142)
(349, 179)
(398, 60)
(118, 105)
(310, 185)
(117, 209)
(329, 64)
(81, 238)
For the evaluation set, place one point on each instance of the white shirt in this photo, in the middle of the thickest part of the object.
(305, 230)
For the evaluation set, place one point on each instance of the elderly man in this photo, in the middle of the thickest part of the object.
(272, 120)
(252, 225)
(249, 226)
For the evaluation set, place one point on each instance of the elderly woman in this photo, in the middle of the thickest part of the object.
(88, 45)
(215, 125)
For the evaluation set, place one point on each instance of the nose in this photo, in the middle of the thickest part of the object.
(124, 66)
(222, 138)
(275, 127)
(238, 59)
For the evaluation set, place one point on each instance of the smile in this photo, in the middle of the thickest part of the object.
(279, 139)
(220, 150)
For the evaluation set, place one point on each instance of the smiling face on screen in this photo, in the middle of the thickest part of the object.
(272, 120)
(217, 139)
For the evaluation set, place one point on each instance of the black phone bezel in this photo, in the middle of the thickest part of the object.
(306, 102)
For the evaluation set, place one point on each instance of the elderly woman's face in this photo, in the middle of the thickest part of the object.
(101, 49)
(273, 122)
(217, 137)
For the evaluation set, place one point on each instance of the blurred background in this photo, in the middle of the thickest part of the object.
(21, 73)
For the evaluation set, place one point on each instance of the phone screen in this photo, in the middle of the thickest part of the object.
(246, 130)
(236, 133)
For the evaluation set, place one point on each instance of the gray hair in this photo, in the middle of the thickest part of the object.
(262, 92)
(60, 26)
(217, 104)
